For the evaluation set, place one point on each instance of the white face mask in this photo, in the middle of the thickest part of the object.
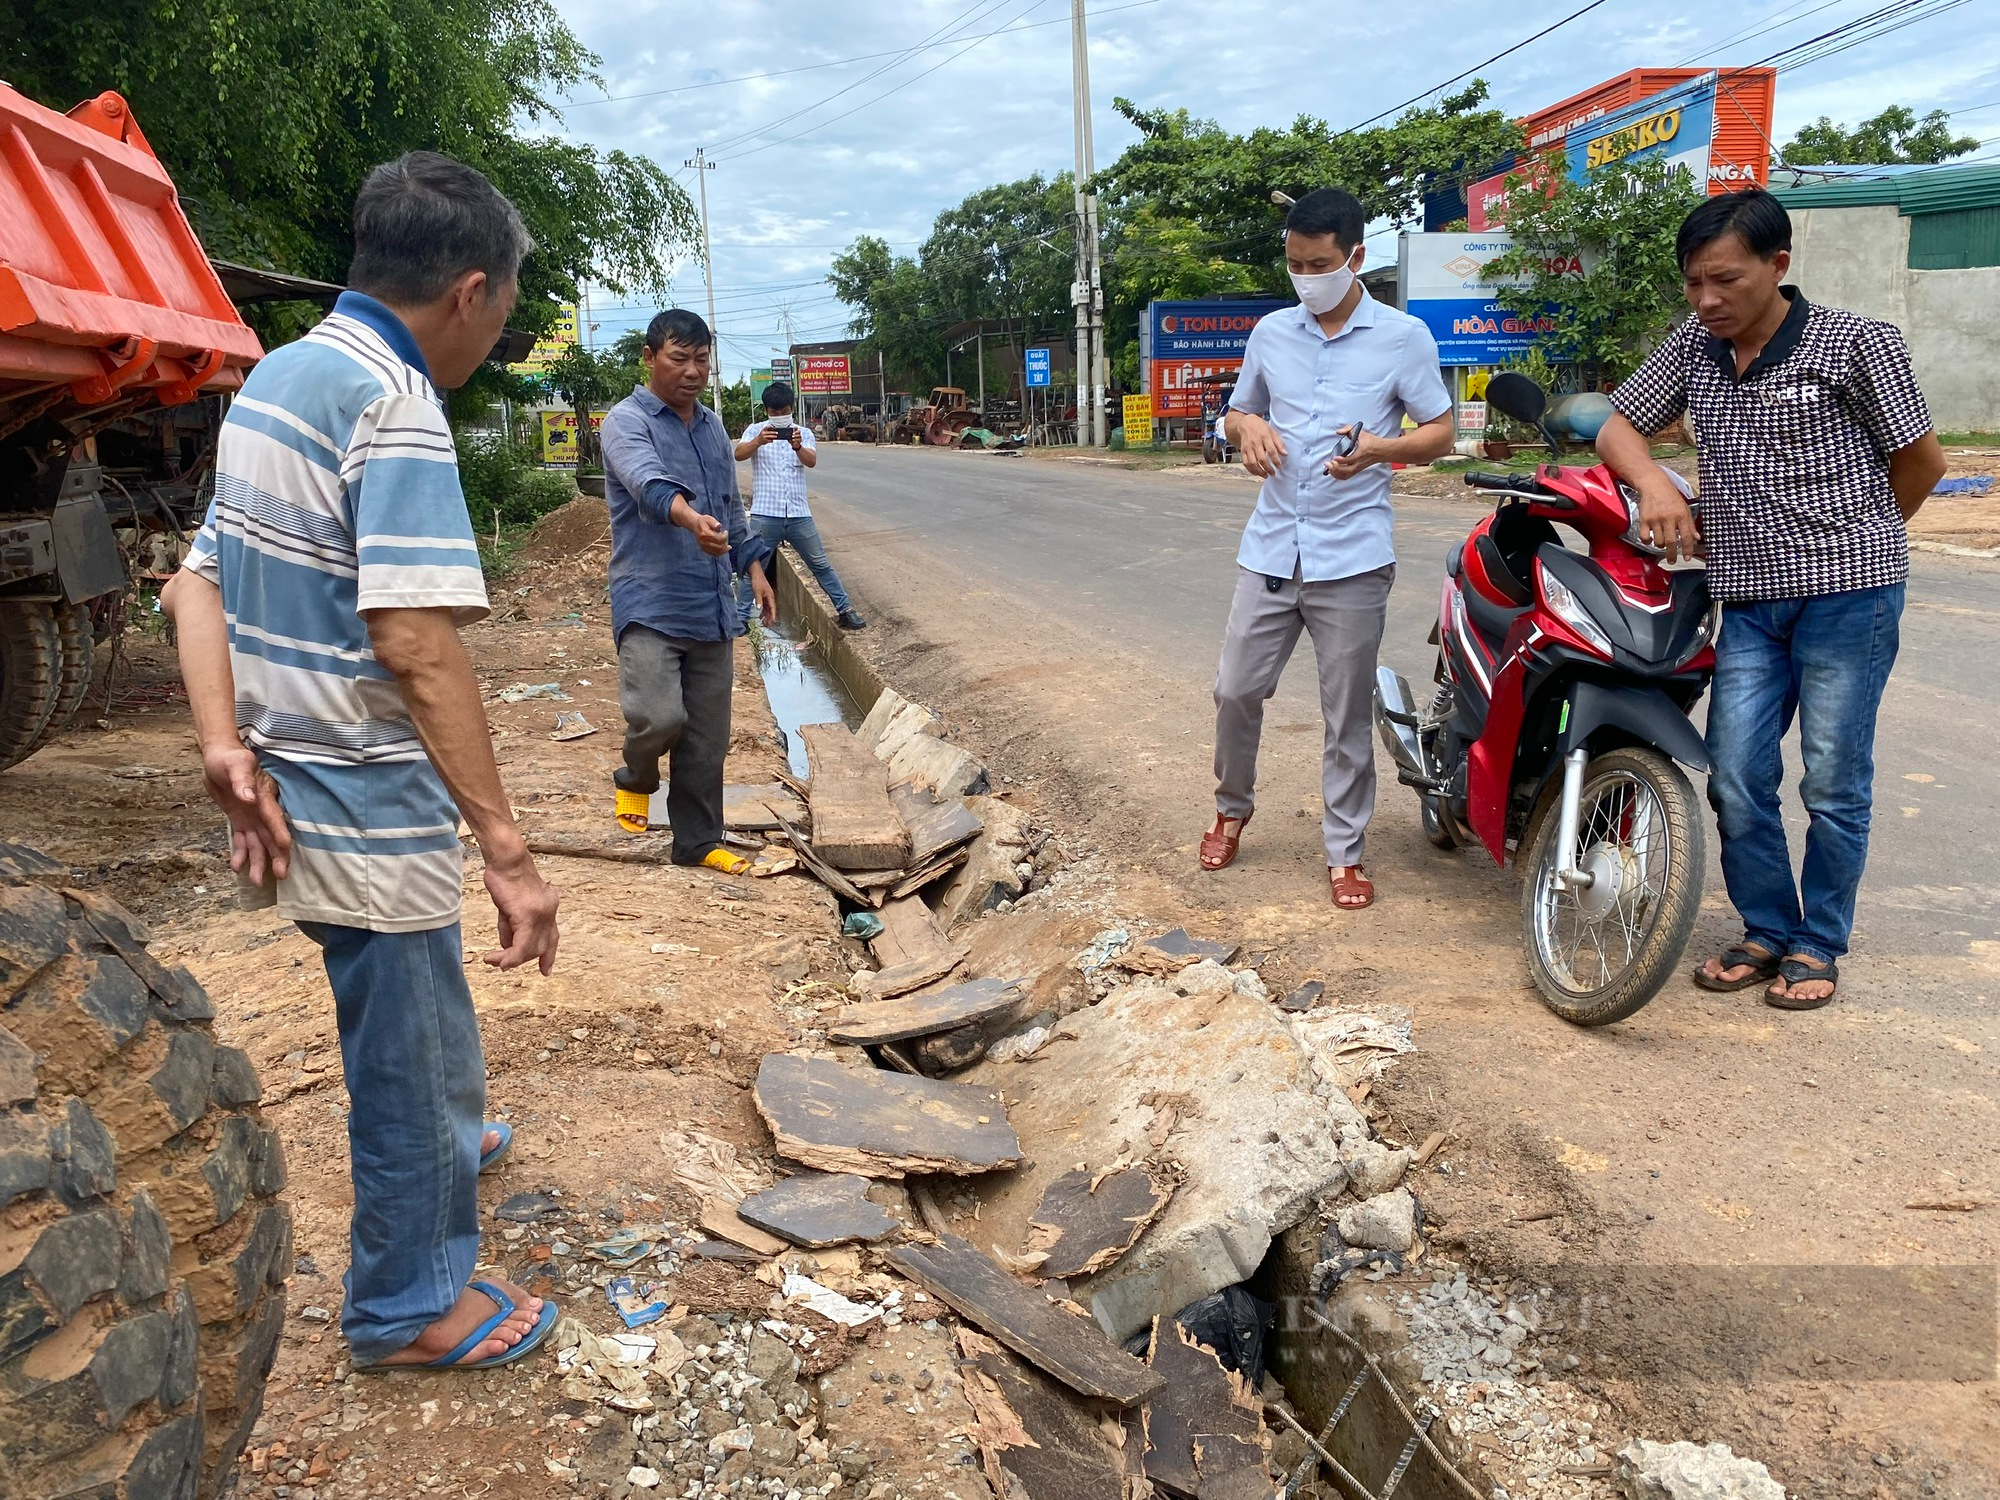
(1322, 293)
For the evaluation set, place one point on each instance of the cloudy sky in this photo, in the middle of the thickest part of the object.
(849, 132)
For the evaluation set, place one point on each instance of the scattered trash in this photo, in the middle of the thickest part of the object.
(315, 1315)
(637, 1303)
(137, 773)
(1106, 946)
(709, 1168)
(805, 1292)
(1963, 486)
(527, 1208)
(572, 726)
(1304, 998)
(676, 950)
(521, 692)
(1020, 1046)
(1347, 1046)
(1236, 1325)
(628, 1246)
(861, 924)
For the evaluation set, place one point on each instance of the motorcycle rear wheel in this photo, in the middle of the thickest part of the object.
(1599, 954)
(1432, 816)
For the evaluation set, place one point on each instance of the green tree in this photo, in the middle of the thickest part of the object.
(589, 381)
(268, 113)
(897, 312)
(1597, 258)
(1894, 136)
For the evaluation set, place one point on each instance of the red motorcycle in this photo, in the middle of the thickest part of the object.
(1565, 683)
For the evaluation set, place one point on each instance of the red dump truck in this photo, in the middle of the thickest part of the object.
(116, 339)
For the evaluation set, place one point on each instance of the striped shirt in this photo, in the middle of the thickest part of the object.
(336, 491)
(777, 475)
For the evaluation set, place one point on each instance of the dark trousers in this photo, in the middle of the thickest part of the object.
(675, 696)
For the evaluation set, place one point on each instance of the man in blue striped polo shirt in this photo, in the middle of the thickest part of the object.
(342, 732)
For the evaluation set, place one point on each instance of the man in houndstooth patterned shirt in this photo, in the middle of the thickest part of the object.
(1816, 448)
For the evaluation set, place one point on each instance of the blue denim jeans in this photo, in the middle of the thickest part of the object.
(804, 537)
(1824, 660)
(416, 1090)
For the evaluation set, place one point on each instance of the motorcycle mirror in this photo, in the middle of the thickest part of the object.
(1518, 397)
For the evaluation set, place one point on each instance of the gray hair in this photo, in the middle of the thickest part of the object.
(424, 220)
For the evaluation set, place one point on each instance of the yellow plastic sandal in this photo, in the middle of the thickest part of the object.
(727, 863)
(634, 809)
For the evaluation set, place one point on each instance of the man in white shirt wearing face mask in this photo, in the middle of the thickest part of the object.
(1317, 413)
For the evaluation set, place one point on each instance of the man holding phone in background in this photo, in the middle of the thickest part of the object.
(781, 450)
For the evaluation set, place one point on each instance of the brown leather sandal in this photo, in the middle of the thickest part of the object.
(1218, 849)
(1346, 887)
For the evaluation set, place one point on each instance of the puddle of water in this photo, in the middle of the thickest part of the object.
(801, 691)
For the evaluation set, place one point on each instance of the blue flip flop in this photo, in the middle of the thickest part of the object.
(544, 1325)
(488, 1160)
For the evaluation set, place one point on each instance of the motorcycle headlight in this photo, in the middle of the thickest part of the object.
(1704, 633)
(1569, 609)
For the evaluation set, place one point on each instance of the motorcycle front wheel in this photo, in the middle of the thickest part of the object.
(1599, 952)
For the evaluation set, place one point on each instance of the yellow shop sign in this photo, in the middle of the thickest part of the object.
(1656, 130)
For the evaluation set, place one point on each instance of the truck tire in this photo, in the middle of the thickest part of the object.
(144, 1248)
(78, 654)
(30, 677)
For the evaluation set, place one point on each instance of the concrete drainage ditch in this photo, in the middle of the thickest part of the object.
(1293, 1242)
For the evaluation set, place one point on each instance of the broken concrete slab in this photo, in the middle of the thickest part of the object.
(991, 874)
(1257, 1133)
(947, 769)
(1037, 1441)
(854, 824)
(1387, 1222)
(1071, 1348)
(1205, 1423)
(1085, 1221)
(881, 1124)
(871, 1022)
(1373, 1168)
(818, 1209)
(892, 720)
(1687, 1471)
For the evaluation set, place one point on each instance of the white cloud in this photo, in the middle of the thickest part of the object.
(781, 212)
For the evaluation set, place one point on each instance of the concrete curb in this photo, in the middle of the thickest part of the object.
(803, 607)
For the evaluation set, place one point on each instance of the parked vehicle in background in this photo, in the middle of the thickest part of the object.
(116, 341)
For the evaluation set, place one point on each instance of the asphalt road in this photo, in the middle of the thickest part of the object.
(1148, 560)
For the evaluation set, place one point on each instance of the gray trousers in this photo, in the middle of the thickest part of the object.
(1345, 619)
(675, 697)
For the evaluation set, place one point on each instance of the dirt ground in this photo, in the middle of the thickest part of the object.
(671, 985)
(1113, 747)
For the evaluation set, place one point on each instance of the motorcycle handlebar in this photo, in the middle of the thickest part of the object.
(1483, 481)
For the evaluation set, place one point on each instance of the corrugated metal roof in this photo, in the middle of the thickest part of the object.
(1933, 190)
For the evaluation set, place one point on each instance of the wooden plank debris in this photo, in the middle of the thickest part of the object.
(873, 1021)
(880, 1124)
(1036, 1440)
(1206, 1425)
(910, 934)
(855, 826)
(827, 875)
(925, 875)
(755, 808)
(936, 823)
(1072, 1349)
(904, 977)
(818, 1209)
(1086, 1221)
(720, 1220)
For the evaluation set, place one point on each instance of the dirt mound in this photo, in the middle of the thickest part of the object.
(571, 531)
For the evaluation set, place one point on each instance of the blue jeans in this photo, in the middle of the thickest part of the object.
(416, 1090)
(1824, 660)
(804, 537)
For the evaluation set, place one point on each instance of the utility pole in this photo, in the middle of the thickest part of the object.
(702, 167)
(1087, 292)
(982, 370)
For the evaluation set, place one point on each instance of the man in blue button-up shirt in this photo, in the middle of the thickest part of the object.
(1317, 554)
(678, 533)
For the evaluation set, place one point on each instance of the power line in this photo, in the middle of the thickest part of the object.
(1751, 31)
(1508, 52)
(838, 62)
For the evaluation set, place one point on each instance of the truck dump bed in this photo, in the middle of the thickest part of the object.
(104, 289)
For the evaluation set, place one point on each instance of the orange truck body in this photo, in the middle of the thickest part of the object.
(103, 287)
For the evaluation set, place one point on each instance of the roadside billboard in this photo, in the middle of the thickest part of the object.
(824, 375)
(760, 382)
(559, 436)
(1442, 280)
(1677, 127)
(1180, 342)
(549, 347)
(1138, 416)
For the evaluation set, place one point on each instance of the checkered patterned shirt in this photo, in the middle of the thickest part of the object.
(1795, 498)
(778, 478)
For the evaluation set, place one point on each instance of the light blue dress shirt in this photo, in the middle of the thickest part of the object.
(1382, 364)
